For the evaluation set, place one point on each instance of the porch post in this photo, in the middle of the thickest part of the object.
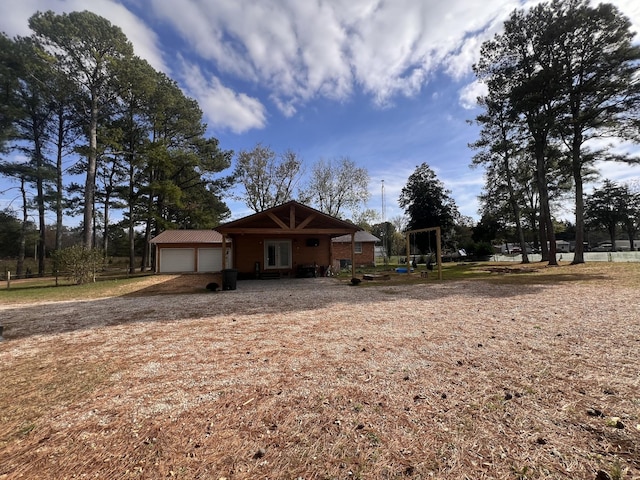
(224, 251)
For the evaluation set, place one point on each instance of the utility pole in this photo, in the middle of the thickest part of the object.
(386, 230)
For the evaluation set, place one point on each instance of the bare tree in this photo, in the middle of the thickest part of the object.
(400, 222)
(268, 179)
(338, 185)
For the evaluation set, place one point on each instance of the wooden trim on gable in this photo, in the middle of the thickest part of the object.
(286, 231)
(291, 218)
(306, 221)
(278, 222)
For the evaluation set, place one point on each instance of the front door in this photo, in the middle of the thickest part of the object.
(277, 254)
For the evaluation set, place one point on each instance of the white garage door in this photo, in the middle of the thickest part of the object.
(209, 259)
(177, 260)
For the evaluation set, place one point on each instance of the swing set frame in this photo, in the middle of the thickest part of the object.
(438, 247)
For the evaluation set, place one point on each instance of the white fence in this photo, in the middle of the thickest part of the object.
(624, 257)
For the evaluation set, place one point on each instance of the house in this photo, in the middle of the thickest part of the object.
(188, 251)
(288, 240)
(364, 249)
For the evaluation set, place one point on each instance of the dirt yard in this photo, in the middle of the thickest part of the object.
(315, 379)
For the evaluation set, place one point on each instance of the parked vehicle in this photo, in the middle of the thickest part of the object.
(621, 246)
(603, 247)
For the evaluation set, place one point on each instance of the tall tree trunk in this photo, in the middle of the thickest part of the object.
(42, 230)
(145, 247)
(147, 233)
(543, 192)
(576, 162)
(578, 256)
(59, 148)
(612, 236)
(132, 241)
(631, 236)
(105, 229)
(516, 212)
(22, 240)
(551, 236)
(132, 245)
(90, 183)
(542, 238)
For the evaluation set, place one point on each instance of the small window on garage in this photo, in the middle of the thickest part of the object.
(357, 247)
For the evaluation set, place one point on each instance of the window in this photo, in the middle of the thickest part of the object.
(357, 247)
(277, 253)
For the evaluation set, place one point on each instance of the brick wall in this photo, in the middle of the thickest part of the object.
(342, 250)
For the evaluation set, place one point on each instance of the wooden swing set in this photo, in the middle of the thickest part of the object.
(438, 247)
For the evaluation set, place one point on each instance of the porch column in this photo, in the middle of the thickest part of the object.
(224, 251)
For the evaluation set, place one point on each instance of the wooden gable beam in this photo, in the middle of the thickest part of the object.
(286, 231)
(306, 221)
(279, 222)
(292, 216)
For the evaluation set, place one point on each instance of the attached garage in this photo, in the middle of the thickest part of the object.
(209, 259)
(189, 251)
(174, 260)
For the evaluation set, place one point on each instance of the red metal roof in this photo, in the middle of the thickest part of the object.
(188, 236)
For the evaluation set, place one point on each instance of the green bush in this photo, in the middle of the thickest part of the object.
(77, 263)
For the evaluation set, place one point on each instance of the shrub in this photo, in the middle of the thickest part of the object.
(77, 263)
(483, 249)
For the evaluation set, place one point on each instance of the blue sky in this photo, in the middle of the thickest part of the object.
(387, 83)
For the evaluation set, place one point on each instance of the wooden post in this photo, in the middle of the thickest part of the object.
(8, 279)
(224, 252)
(408, 252)
(438, 247)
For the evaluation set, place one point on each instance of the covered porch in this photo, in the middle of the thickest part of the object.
(289, 240)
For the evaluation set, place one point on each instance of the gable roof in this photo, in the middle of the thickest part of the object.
(360, 236)
(291, 218)
(188, 236)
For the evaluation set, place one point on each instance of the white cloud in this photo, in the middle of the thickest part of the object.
(631, 8)
(618, 171)
(469, 94)
(302, 50)
(14, 21)
(223, 108)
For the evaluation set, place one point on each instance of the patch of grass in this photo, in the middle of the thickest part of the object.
(617, 472)
(623, 274)
(45, 289)
(32, 388)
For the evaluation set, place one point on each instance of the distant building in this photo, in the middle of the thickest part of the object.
(364, 249)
